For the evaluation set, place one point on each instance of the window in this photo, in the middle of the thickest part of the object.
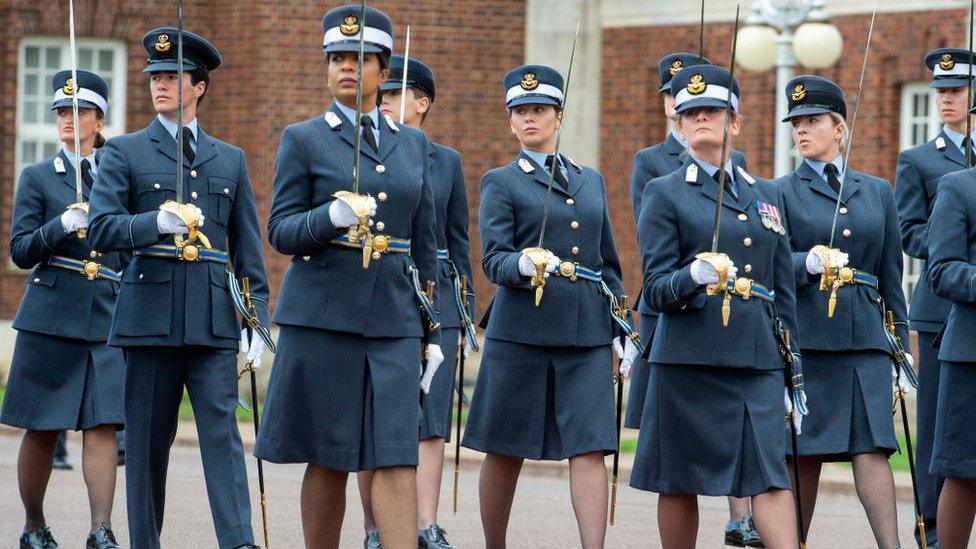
(39, 60)
(919, 123)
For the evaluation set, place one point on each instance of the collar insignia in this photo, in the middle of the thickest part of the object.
(163, 44)
(696, 86)
(691, 174)
(332, 119)
(749, 179)
(350, 25)
(59, 165)
(940, 143)
(525, 165)
(391, 123)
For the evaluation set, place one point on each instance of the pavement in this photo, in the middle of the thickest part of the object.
(542, 515)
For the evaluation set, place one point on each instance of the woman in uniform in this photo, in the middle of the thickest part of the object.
(63, 374)
(343, 395)
(544, 389)
(713, 383)
(846, 355)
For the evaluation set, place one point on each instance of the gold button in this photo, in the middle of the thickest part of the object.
(306, 257)
(194, 195)
(747, 268)
(193, 174)
(382, 197)
(380, 225)
(570, 201)
(155, 185)
(743, 217)
(376, 256)
(574, 225)
(747, 242)
(226, 190)
(380, 168)
(37, 280)
(575, 250)
(843, 210)
(847, 233)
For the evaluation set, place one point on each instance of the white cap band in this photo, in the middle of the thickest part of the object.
(712, 91)
(959, 69)
(372, 35)
(84, 94)
(542, 89)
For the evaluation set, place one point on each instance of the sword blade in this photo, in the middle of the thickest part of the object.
(969, 92)
(359, 96)
(701, 34)
(79, 197)
(850, 133)
(179, 101)
(559, 137)
(717, 225)
(403, 83)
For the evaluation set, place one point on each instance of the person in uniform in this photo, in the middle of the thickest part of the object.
(916, 189)
(453, 254)
(343, 395)
(716, 370)
(175, 319)
(650, 163)
(63, 375)
(847, 358)
(545, 389)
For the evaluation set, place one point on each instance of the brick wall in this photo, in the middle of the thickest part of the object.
(633, 117)
(273, 75)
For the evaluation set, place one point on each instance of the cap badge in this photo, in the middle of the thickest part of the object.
(696, 85)
(163, 44)
(529, 81)
(798, 93)
(676, 66)
(350, 25)
(69, 86)
(946, 62)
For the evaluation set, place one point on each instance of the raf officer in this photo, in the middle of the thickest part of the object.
(174, 318)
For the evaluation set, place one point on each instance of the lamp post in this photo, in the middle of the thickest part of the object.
(779, 33)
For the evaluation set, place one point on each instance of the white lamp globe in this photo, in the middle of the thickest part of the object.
(817, 45)
(756, 48)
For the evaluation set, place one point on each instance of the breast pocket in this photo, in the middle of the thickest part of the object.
(154, 189)
(222, 192)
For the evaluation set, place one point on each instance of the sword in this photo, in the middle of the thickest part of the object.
(618, 379)
(429, 293)
(179, 100)
(538, 254)
(80, 203)
(786, 350)
(718, 260)
(969, 92)
(460, 402)
(403, 83)
(701, 34)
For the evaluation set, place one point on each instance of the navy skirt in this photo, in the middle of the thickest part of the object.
(435, 421)
(342, 401)
(639, 375)
(542, 403)
(850, 395)
(712, 431)
(954, 454)
(60, 383)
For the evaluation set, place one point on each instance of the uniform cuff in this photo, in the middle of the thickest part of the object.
(144, 230)
(319, 225)
(53, 232)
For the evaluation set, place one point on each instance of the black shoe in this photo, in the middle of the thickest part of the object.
(433, 538)
(248, 546)
(121, 459)
(104, 538)
(38, 539)
(62, 463)
(742, 534)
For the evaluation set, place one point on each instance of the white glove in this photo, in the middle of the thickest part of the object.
(626, 353)
(527, 267)
(815, 264)
(254, 347)
(341, 214)
(170, 223)
(900, 382)
(791, 411)
(702, 272)
(74, 219)
(434, 359)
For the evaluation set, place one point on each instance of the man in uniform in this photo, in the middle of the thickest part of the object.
(916, 186)
(174, 317)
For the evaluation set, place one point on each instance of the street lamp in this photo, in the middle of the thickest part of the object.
(779, 33)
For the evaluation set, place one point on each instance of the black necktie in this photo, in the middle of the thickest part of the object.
(966, 143)
(831, 172)
(729, 183)
(86, 175)
(368, 136)
(559, 178)
(187, 149)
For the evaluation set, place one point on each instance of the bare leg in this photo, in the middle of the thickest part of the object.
(588, 488)
(323, 506)
(395, 506)
(365, 481)
(99, 458)
(810, 467)
(957, 507)
(33, 473)
(429, 481)
(496, 489)
(876, 489)
(677, 519)
(738, 508)
(775, 518)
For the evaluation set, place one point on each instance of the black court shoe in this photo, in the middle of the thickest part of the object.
(38, 539)
(104, 538)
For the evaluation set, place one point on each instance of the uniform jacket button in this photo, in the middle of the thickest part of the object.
(156, 185)
(193, 174)
(194, 195)
(376, 256)
(37, 280)
(381, 196)
(306, 257)
(93, 254)
(847, 233)
(141, 276)
(843, 210)
(380, 168)
(226, 191)
(747, 242)
(743, 217)
(747, 268)
(380, 225)
(570, 201)
(575, 250)
(574, 225)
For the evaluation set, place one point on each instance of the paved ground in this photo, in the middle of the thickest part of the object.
(542, 517)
